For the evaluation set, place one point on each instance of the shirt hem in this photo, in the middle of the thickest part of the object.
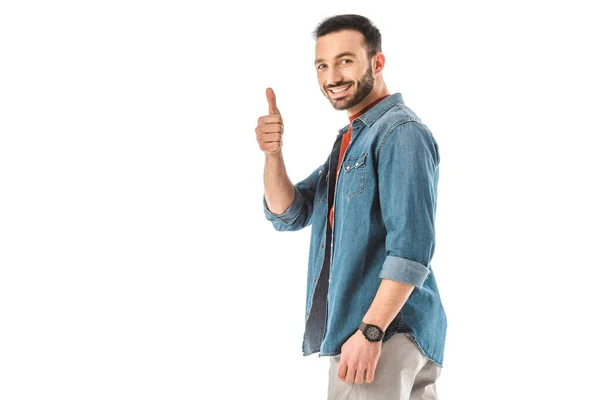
(413, 338)
(416, 342)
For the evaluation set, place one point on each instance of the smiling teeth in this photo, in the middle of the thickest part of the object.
(340, 90)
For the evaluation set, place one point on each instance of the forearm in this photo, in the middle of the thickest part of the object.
(387, 303)
(279, 189)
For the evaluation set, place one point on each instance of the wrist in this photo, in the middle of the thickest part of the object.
(274, 155)
(382, 324)
(371, 332)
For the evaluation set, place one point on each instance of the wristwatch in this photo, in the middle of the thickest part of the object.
(372, 333)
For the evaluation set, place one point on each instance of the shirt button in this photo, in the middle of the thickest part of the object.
(347, 167)
(356, 165)
(322, 245)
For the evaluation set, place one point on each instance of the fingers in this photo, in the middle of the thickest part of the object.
(269, 132)
(350, 375)
(370, 374)
(359, 374)
(342, 370)
(268, 138)
(270, 119)
(272, 102)
(268, 128)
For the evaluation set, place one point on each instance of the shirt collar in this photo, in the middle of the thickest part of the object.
(375, 112)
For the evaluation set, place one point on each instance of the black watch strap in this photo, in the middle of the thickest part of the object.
(372, 333)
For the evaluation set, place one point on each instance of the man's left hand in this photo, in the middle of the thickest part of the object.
(359, 357)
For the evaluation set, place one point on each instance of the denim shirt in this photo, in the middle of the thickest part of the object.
(385, 203)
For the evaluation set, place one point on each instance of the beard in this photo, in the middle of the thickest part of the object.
(364, 87)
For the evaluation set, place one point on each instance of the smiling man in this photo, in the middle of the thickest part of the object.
(372, 302)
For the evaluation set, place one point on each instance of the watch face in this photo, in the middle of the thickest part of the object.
(372, 333)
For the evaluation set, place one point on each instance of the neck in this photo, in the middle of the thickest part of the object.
(379, 90)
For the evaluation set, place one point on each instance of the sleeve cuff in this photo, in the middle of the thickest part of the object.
(289, 215)
(404, 270)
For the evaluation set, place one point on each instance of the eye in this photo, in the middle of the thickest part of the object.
(319, 66)
(346, 59)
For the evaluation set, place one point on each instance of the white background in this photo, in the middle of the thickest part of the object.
(135, 258)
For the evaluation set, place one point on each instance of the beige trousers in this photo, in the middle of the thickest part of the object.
(403, 372)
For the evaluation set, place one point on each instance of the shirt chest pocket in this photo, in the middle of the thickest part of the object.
(353, 175)
(321, 190)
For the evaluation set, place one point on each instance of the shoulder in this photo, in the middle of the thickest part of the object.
(395, 116)
(410, 138)
(399, 118)
(400, 127)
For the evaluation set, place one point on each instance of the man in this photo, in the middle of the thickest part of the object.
(372, 302)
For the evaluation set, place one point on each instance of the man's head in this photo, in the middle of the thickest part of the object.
(348, 52)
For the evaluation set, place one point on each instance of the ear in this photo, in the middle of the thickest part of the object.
(379, 59)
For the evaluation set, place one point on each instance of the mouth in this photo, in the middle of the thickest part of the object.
(339, 91)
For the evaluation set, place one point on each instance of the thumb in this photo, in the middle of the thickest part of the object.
(272, 104)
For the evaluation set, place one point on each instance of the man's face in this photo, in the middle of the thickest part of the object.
(341, 61)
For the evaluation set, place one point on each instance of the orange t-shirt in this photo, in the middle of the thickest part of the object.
(345, 141)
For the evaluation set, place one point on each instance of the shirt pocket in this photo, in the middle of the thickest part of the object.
(353, 171)
(321, 190)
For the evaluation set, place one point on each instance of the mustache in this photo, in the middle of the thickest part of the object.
(338, 85)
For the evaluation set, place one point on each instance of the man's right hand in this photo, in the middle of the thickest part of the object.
(269, 131)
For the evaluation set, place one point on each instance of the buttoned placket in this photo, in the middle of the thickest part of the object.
(335, 189)
(328, 244)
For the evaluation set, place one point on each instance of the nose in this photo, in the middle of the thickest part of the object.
(334, 76)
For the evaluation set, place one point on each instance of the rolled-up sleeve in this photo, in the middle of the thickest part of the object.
(407, 169)
(299, 214)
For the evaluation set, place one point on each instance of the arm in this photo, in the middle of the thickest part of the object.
(408, 159)
(287, 206)
(387, 303)
(279, 190)
(407, 172)
(296, 201)
(407, 164)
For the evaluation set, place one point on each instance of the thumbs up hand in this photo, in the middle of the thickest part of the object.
(269, 131)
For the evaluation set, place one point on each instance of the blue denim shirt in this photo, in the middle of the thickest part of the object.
(385, 203)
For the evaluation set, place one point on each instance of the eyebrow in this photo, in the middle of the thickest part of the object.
(346, 53)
